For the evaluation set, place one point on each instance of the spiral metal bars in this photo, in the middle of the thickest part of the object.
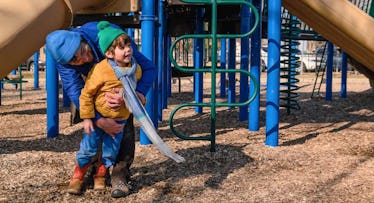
(214, 36)
(289, 62)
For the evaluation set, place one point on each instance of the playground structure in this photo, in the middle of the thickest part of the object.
(333, 19)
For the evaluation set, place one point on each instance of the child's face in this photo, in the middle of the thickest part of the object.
(123, 55)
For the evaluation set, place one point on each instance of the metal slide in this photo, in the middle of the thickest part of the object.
(340, 22)
(26, 23)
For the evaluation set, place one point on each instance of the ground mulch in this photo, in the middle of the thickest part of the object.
(325, 152)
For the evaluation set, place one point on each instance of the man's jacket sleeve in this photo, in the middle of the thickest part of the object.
(148, 71)
(72, 83)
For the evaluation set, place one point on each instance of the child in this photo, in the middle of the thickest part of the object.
(116, 46)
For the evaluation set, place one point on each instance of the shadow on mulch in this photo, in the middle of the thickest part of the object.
(198, 162)
(62, 143)
(316, 110)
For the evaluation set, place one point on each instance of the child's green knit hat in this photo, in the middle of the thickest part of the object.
(107, 35)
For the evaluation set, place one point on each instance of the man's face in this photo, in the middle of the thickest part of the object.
(82, 55)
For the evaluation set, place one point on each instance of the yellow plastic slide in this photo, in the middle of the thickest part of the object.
(342, 23)
(26, 23)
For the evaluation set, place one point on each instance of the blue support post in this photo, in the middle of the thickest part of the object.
(198, 60)
(160, 58)
(329, 64)
(222, 87)
(130, 32)
(273, 77)
(232, 64)
(52, 97)
(168, 70)
(14, 72)
(148, 29)
(343, 90)
(165, 69)
(254, 106)
(36, 70)
(244, 62)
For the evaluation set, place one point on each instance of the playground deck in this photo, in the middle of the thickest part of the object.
(325, 153)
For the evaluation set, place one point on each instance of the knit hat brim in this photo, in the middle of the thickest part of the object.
(62, 45)
(107, 35)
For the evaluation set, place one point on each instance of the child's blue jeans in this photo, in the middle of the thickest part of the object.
(90, 143)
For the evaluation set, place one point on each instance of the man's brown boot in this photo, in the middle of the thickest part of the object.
(99, 178)
(76, 182)
(120, 187)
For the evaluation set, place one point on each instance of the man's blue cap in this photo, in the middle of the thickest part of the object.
(62, 44)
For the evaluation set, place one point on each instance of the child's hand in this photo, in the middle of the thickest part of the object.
(88, 126)
(141, 97)
(114, 101)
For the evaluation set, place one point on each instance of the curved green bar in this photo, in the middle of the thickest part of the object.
(213, 36)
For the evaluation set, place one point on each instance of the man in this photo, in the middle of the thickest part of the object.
(76, 51)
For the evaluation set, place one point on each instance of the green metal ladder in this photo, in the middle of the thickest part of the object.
(320, 73)
(365, 5)
(213, 70)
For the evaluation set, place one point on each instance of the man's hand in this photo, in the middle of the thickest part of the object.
(109, 125)
(114, 101)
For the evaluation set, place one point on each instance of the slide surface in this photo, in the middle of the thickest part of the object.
(340, 22)
(25, 24)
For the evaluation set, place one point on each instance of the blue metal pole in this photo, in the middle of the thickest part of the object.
(232, 64)
(36, 70)
(52, 97)
(14, 72)
(130, 32)
(165, 69)
(148, 29)
(222, 87)
(330, 55)
(254, 106)
(273, 77)
(244, 62)
(343, 90)
(168, 64)
(198, 60)
(160, 58)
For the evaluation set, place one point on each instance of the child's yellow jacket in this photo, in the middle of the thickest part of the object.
(101, 79)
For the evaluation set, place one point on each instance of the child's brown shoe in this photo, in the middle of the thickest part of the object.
(75, 186)
(76, 182)
(99, 183)
(99, 178)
